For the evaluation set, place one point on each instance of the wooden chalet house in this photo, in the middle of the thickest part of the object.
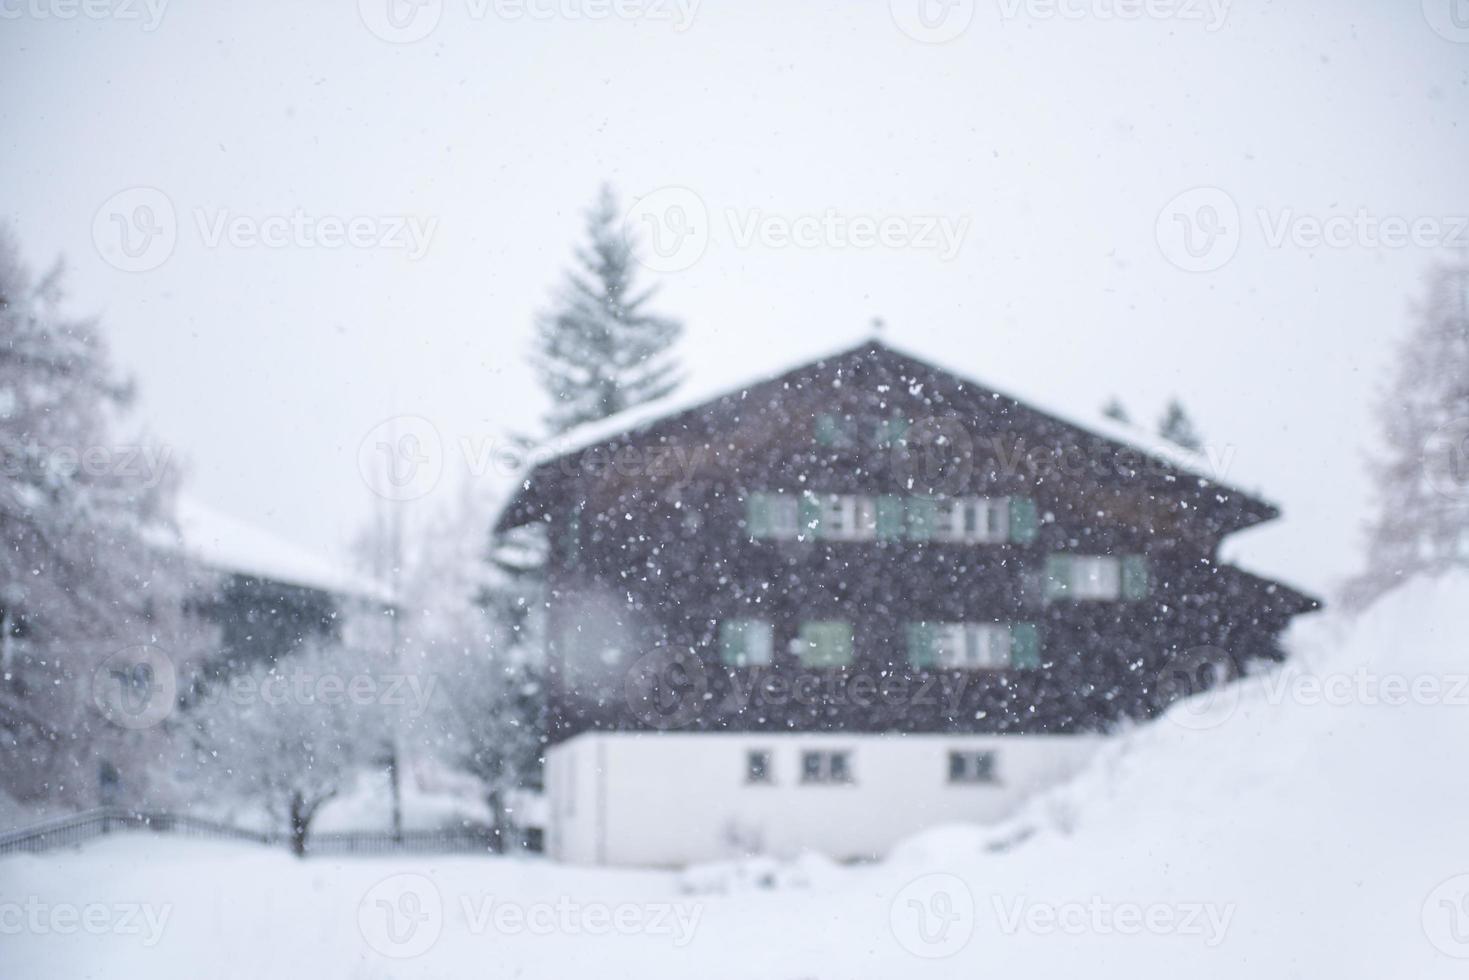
(867, 596)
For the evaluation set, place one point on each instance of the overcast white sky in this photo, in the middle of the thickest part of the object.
(1059, 137)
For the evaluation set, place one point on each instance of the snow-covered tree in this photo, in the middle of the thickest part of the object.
(83, 579)
(460, 620)
(289, 737)
(1421, 475)
(487, 722)
(600, 351)
(1116, 411)
(1178, 428)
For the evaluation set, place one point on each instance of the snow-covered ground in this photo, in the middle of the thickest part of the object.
(1310, 823)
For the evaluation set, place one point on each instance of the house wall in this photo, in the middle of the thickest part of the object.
(651, 555)
(665, 799)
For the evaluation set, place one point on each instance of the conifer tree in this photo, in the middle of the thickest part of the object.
(1178, 428)
(600, 351)
(91, 608)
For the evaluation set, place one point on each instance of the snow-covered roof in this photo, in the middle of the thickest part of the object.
(228, 544)
(1206, 466)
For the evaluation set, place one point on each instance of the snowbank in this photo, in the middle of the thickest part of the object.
(1310, 823)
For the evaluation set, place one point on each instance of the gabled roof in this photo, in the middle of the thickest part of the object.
(653, 413)
(227, 544)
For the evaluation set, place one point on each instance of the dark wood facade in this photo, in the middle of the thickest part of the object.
(652, 549)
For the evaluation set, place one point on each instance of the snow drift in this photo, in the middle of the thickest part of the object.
(1309, 822)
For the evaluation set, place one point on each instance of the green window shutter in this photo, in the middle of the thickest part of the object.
(922, 650)
(757, 515)
(809, 639)
(889, 517)
(1058, 576)
(922, 514)
(810, 515)
(841, 644)
(732, 642)
(1025, 646)
(826, 643)
(831, 430)
(1134, 577)
(1023, 520)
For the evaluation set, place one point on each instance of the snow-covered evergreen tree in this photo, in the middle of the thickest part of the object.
(1178, 428)
(600, 350)
(83, 579)
(1422, 473)
(461, 622)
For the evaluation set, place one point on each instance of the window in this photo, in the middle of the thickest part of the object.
(757, 767)
(834, 430)
(972, 520)
(1097, 577)
(772, 515)
(825, 643)
(847, 518)
(981, 645)
(1094, 577)
(862, 517)
(785, 516)
(745, 642)
(972, 646)
(972, 767)
(826, 767)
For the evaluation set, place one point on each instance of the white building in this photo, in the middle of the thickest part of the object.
(866, 596)
(667, 798)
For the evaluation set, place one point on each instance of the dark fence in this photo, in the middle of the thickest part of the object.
(81, 827)
(407, 842)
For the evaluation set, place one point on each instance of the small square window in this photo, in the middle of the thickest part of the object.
(746, 642)
(785, 517)
(826, 767)
(971, 767)
(972, 520)
(834, 431)
(757, 767)
(970, 646)
(1095, 577)
(848, 518)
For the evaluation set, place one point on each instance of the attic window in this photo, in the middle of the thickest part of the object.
(834, 431)
(892, 431)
